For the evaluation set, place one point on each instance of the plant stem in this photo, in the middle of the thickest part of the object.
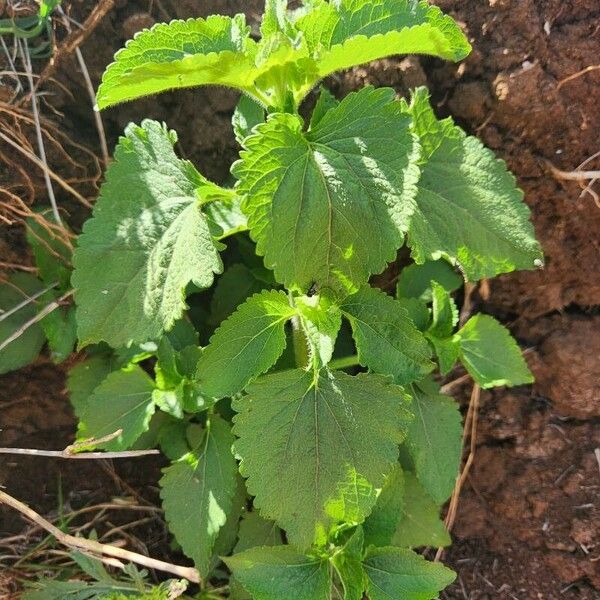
(344, 363)
(300, 344)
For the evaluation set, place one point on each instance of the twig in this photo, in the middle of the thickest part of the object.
(28, 300)
(576, 75)
(572, 175)
(82, 455)
(96, 548)
(43, 313)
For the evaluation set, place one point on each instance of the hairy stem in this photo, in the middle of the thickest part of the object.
(344, 363)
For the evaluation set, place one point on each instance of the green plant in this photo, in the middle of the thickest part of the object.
(321, 482)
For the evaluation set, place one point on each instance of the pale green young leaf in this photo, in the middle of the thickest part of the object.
(419, 522)
(197, 492)
(380, 526)
(435, 440)
(491, 354)
(325, 102)
(444, 312)
(315, 452)
(386, 339)
(275, 19)
(329, 207)
(180, 54)
(147, 240)
(447, 351)
(226, 217)
(469, 208)
(25, 348)
(247, 344)
(415, 280)
(274, 573)
(123, 401)
(395, 573)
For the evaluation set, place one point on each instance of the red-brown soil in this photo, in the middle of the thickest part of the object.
(528, 521)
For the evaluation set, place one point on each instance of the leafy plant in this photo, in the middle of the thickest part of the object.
(321, 482)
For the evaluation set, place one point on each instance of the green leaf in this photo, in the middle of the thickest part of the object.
(321, 322)
(380, 526)
(348, 566)
(415, 280)
(316, 450)
(491, 354)
(329, 207)
(197, 492)
(248, 113)
(52, 251)
(325, 102)
(147, 240)
(395, 573)
(419, 522)
(24, 349)
(386, 339)
(435, 440)
(444, 312)
(348, 33)
(273, 573)
(84, 378)
(172, 440)
(60, 328)
(226, 217)
(447, 351)
(256, 531)
(180, 54)
(417, 312)
(247, 344)
(123, 401)
(480, 219)
(275, 19)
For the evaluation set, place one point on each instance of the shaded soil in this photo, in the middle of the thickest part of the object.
(527, 526)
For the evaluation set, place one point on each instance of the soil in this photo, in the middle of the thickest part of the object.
(528, 521)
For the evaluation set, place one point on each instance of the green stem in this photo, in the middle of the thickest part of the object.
(344, 363)
(300, 344)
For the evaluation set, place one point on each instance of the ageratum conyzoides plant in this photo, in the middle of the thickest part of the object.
(236, 328)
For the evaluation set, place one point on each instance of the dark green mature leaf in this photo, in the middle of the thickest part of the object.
(415, 280)
(435, 440)
(480, 220)
(179, 54)
(256, 531)
(247, 344)
(60, 328)
(27, 346)
(123, 401)
(315, 451)
(329, 207)
(491, 354)
(148, 239)
(197, 492)
(447, 351)
(395, 573)
(352, 32)
(248, 113)
(348, 566)
(386, 339)
(274, 573)
(85, 377)
(419, 522)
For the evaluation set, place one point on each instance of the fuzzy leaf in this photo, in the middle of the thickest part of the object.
(122, 401)
(316, 451)
(84, 378)
(435, 440)
(386, 339)
(491, 354)
(256, 531)
(247, 344)
(395, 573)
(419, 522)
(415, 280)
(147, 240)
(273, 573)
(329, 207)
(480, 219)
(179, 54)
(197, 492)
(27, 346)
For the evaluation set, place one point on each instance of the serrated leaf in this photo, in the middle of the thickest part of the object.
(248, 113)
(60, 329)
(380, 526)
(479, 219)
(24, 349)
(226, 217)
(418, 312)
(85, 377)
(147, 240)
(447, 351)
(197, 492)
(491, 354)
(348, 566)
(419, 522)
(348, 33)
(273, 573)
(321, 322)
(247, 344)
(179, 54)
(325, 102)
(444, 312)
(315, 451)
(399, 573)
(275, 19)
(123, 401)
(386, 339)
(329, 207)
(256, 531)
(415, 280)
(435, 440)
